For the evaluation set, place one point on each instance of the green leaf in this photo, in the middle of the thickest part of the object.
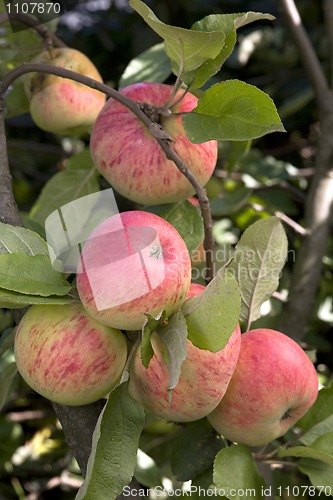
(148, 328)
(259, 257)
(14, 300)
(11, 436)
(187, 49)
(174, 336)
(319, 473)
(152, 65)
(321, 449)
(194, 450)
(16, 100)
(227, 24)
(186, 218)
(20, 240)
(7, 375)
(212, 316)
(230, 203)
(7, 340)
(232, 111)
(235, 471)
(31, 275)
(204, 482)
(319, 418)
(18, 48)
(114, 448)
(78, 179)
(147, 472)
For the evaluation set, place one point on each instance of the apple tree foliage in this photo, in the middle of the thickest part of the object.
(251, 264)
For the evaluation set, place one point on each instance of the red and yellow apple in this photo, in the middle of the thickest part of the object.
(60, 105)
(66, 356)
(129, 157)
(133, 263)
(273, 386)
(203, 380)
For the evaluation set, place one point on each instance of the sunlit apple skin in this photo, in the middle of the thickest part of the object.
(203, 381)
(60, 105)
(111, 279)
(128, 156)
(66, 356)
(273, 386)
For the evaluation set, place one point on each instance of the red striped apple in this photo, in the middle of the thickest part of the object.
(128, 156)
(203, 380)
(273, 386)
(60, 105)
(66, 356)
(133, 263)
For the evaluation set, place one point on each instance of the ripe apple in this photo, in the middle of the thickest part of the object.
(133, 263)
(128, 156)
(273, 386)
(203, 381)
(60, 105)
(66, 356)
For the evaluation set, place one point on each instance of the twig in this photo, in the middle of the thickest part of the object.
(50, 38)
(279, 296)
(146, 120)
(294, 225)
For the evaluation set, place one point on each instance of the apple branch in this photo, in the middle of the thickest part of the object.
(161, 137)
(50, 38)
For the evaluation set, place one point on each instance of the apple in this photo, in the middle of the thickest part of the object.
(60, 105)
(203, 380)
(133, 263)
(273, 386)
(129, 157)
(66, 356)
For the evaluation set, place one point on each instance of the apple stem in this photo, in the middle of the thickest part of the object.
(173, 104)
(125, 375)
(157, 132)
(51, 40)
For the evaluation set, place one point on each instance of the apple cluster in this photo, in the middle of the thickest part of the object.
(252, 391)
(135, 263)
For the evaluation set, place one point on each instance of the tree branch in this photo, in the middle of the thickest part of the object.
(136, 108)
(8, 209)
(306, 52)
(308, 266)
(50, 38)
(328, 17)
(307, 269)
